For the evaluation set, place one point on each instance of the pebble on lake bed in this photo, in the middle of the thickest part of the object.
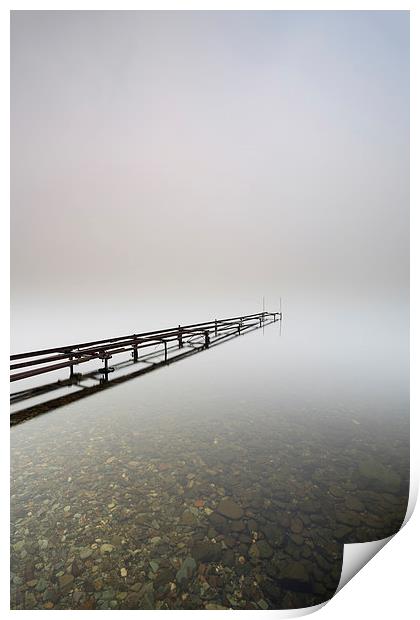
(228, 508)
(106, 548)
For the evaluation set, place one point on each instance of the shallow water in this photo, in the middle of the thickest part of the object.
(230, 479)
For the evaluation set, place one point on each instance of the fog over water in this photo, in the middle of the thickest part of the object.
(175, 167)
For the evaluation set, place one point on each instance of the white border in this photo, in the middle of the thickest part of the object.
(387, 586)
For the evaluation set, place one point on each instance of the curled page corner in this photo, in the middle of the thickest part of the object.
(356, 556)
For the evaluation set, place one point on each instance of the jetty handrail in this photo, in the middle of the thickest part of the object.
(70, 347)
(69, 356)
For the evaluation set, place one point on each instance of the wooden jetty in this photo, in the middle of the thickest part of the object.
(174, 344)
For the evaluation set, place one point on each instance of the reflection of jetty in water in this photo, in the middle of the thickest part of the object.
(174, 344)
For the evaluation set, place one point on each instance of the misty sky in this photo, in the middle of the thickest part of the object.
(164, 159)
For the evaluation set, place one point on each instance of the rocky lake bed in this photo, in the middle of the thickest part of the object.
(220, 513)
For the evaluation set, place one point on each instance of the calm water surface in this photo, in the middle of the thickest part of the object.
(228, 480)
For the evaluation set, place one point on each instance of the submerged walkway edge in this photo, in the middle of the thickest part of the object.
(190, 338)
